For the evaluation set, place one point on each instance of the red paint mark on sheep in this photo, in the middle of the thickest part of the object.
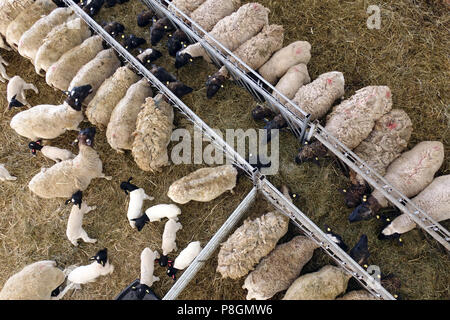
(392, 125)
(388, 94)
(329, 81)
(298, 51)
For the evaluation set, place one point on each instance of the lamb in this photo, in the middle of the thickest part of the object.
(352, 120)
(295, 53)
(89, 273)
(204, 184)
(64, 178)
(154, 127)
(47, 121)
(330, 281)
(61, 39)
(4, 174)
(32, 39)
(122, 122)
(253, 240)
(9, 10)
(158, 29)
(15, 92)
(131, 41)
(176, 41)
(61, 73)
(212, 11)
(96, 71)
(156, 213)
(279, 269)
(109, 95)
(231, 32)
(36, 281)
(168, 240)
(54, 153)
(434, 200)
(92, 7)
(185, 6)
(254, 52)
(357, 295)
(114, 28)
(149, 56)
(3, 75)
(147, 278)
(75, 229)
(184, 259)
(410, 173)
(26, 19)
(144, 18)
(137, 197)
(294, 78)
(384, 144)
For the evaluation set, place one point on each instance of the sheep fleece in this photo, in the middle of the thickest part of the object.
(186, 6)
(203, 185)
(357, 295)
(61, 73)
(108, 96)
(154, 127)
(122, 123)
(290, 83)
(212, 11)
(34, 282)
(9, 10)
(279, 269)
(249, 243)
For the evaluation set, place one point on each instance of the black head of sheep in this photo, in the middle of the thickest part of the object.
(278, 122)
(311, 152)
(126, 186)
(158, 29)
(86, 136)
(131, 41)
(365, 211)
(163, 260)
(213, 84)
(176, 42)
(114, 28)
(144, 18)
(141, 290)
(182, 59)
(171, 270)
(14, 103)
(336, 238)
(360, 252)
(76, 96)
(55, 292)
(101, 257)
(35, 146)
(261, 112)
(150, 57)
(162, 74)
(76, 199)
(179, 88)
(354, 195)
(92, 7)
(141, 221)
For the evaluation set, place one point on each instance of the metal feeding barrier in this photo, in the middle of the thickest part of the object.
(302, 127)
(260, 181)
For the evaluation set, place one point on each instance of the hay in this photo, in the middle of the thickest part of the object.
(409, 54)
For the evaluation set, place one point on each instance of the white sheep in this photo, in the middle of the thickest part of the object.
(4, 174)
(66, 177)
(185, 6)
(3, 75)
(156, 213)
(137, 197)
(9, 10)
(184, 259)
(212, 11)
(26, 19)
(434, 200)
(250, 242)
(32, 39)
(37, 281)
(75, 229)
(169, 236)
(154, 125)
(410, 173)
(109, 95)
(147, 278)
(61, 73)
(122, 122)
(90, 272)
(204, 184)
(15, 92)
(290, 83)
(96, 71)
(61, 39)
(291, 55)
(54, 153)
(279, 269)
(358, 295)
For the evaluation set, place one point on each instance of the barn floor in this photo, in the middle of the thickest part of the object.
(409, 54)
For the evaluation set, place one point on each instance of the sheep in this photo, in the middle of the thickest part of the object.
(47, 121)
(158, 29)
(156, 213)
(108, 96)
(122, 122)
(4, 174)
(254, 52)
(137, 197)
(434, 200)
(36, 281)
(250, 242)
(114, 28)
(179, 88)
(149, 55)
(204, 184)
(231, 32)
(410, 173)
(154, 127)
(294, 78)
(352, 120)
(147, 278)
(61, 73)
(32, 39)
(61, 39)
(176, 41)
(26, 19)
(92, 7)
(279, 269)
(75, 229)
(3, 75)
(330, 281)
(384, 144)
(15, 92)
(168, 240)
(185, 6)
(89, 273)
(131, 41)
(357, 295)
(54, 153)
(96, 71)
(64, 178)
(294, 53)
(212, 11)
(184, 259)
(9, 10)
(144, 18)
